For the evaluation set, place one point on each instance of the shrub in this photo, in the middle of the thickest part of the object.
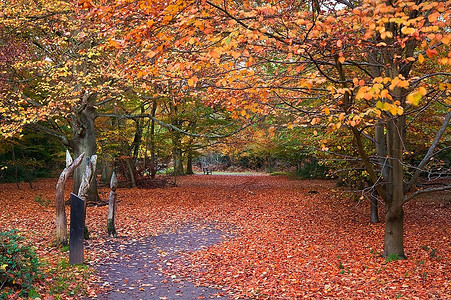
(18, 263)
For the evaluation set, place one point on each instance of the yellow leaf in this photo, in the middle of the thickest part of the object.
(393, 110)
(386, 106)
(422, 91)
(326, 111)
(414, 98)
(341, 59)
(420, 58)
(407, 30)
(403, 84)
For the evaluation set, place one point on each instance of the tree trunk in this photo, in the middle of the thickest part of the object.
(86, 182)
(189, 162)
(112, 206)
(139, 125)
(394, 232)
(394, 215)
(84, 141)
(178, 165)
(61, 219)
(131, 171)
(374, 213)
(381, 150)
(107, 168)
(153, 167)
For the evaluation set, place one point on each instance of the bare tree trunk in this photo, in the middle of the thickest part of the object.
(86, 182)
(189, 162)
(84, 141)
(177, 153)
(131, 171)
(374, 213)
(61, 219)
(394, 215)
(153, 168)
(112, 206)
(139, 124)
(394, 232)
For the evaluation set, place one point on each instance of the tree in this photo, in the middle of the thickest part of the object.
(59, 86)
(371, 67)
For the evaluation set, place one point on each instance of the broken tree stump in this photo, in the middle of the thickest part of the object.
(61, 219)
(84, 186)
(112, 206)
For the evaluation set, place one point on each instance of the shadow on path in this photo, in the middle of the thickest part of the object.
(137, 270)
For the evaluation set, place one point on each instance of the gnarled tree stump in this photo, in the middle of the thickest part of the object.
(61, 219)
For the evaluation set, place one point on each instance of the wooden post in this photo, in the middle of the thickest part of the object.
(112, 206)
(77, 221)
(61, 219)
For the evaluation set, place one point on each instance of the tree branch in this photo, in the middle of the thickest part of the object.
(430, 152)
(64, 140)
(170, 126)
(428, 190)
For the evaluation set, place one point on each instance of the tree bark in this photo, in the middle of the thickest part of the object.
(84, 141)
(177, 153)
(61, 219)
(86, 182)
(139, 125)
(374, 212)
(153, 167)
(394, 215)
(112, 207)
(394, 232)
(189, 162)
(131, 171)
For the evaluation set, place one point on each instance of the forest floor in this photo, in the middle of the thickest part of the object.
(238, 237)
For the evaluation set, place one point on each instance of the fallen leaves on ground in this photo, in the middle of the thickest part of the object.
(288, 243)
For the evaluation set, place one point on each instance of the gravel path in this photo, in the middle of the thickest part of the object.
(137, 269)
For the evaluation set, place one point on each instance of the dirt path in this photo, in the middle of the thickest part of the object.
(138, 270)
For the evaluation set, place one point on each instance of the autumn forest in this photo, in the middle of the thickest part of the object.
(225, 149)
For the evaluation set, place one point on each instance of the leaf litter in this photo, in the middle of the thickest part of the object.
(257, 237)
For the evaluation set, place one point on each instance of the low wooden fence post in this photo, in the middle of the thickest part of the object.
(112, 206)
